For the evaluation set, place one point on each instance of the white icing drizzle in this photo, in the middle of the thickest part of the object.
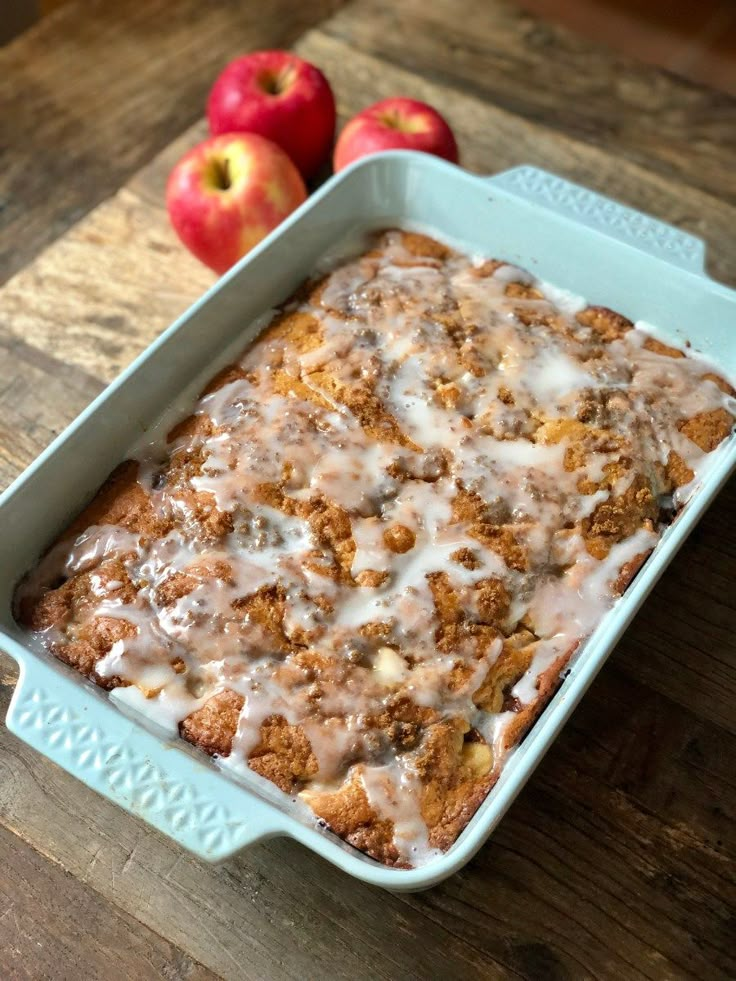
(392, 792)
(290, 491)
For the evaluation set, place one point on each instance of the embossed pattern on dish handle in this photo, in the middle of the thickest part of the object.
(203, 811)
(604, 215)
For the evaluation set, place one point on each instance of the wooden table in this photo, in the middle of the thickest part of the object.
(617, 861)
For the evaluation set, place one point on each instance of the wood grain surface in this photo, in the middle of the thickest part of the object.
(52, 926)
(545, 73)
(617, 861)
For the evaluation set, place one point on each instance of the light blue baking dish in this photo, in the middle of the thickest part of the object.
(565, 235)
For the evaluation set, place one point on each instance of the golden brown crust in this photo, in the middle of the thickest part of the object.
(349, 814)
(708, 429)
(120, 501)
(678, 471)
(213, 726)
(283, 755)
(523, 291)
(720, 382)
(657, 347)
(511, 665)
(620, 517)
(486, 268)
(628, 572)
(422, 245)
(607, 324)
(547, 684)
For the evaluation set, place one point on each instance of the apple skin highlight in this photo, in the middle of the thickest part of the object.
(395, 124)
(281, 97)
(228, 193)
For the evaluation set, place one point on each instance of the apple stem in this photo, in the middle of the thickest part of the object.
(270, 83)
(274, 83)
(222, 174)
(404, 124)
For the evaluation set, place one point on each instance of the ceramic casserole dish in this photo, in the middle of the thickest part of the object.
(563, 234)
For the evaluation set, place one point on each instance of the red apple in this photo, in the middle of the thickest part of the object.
(395, 124)
(281, 97)
(228, 192)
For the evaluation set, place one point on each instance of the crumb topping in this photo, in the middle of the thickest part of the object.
(361, 563)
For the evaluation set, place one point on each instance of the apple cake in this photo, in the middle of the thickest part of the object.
(361, 564)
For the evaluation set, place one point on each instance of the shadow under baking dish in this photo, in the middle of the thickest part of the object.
(561, 233)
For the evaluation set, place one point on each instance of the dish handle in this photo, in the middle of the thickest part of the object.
(186, 799)
(608, 217)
